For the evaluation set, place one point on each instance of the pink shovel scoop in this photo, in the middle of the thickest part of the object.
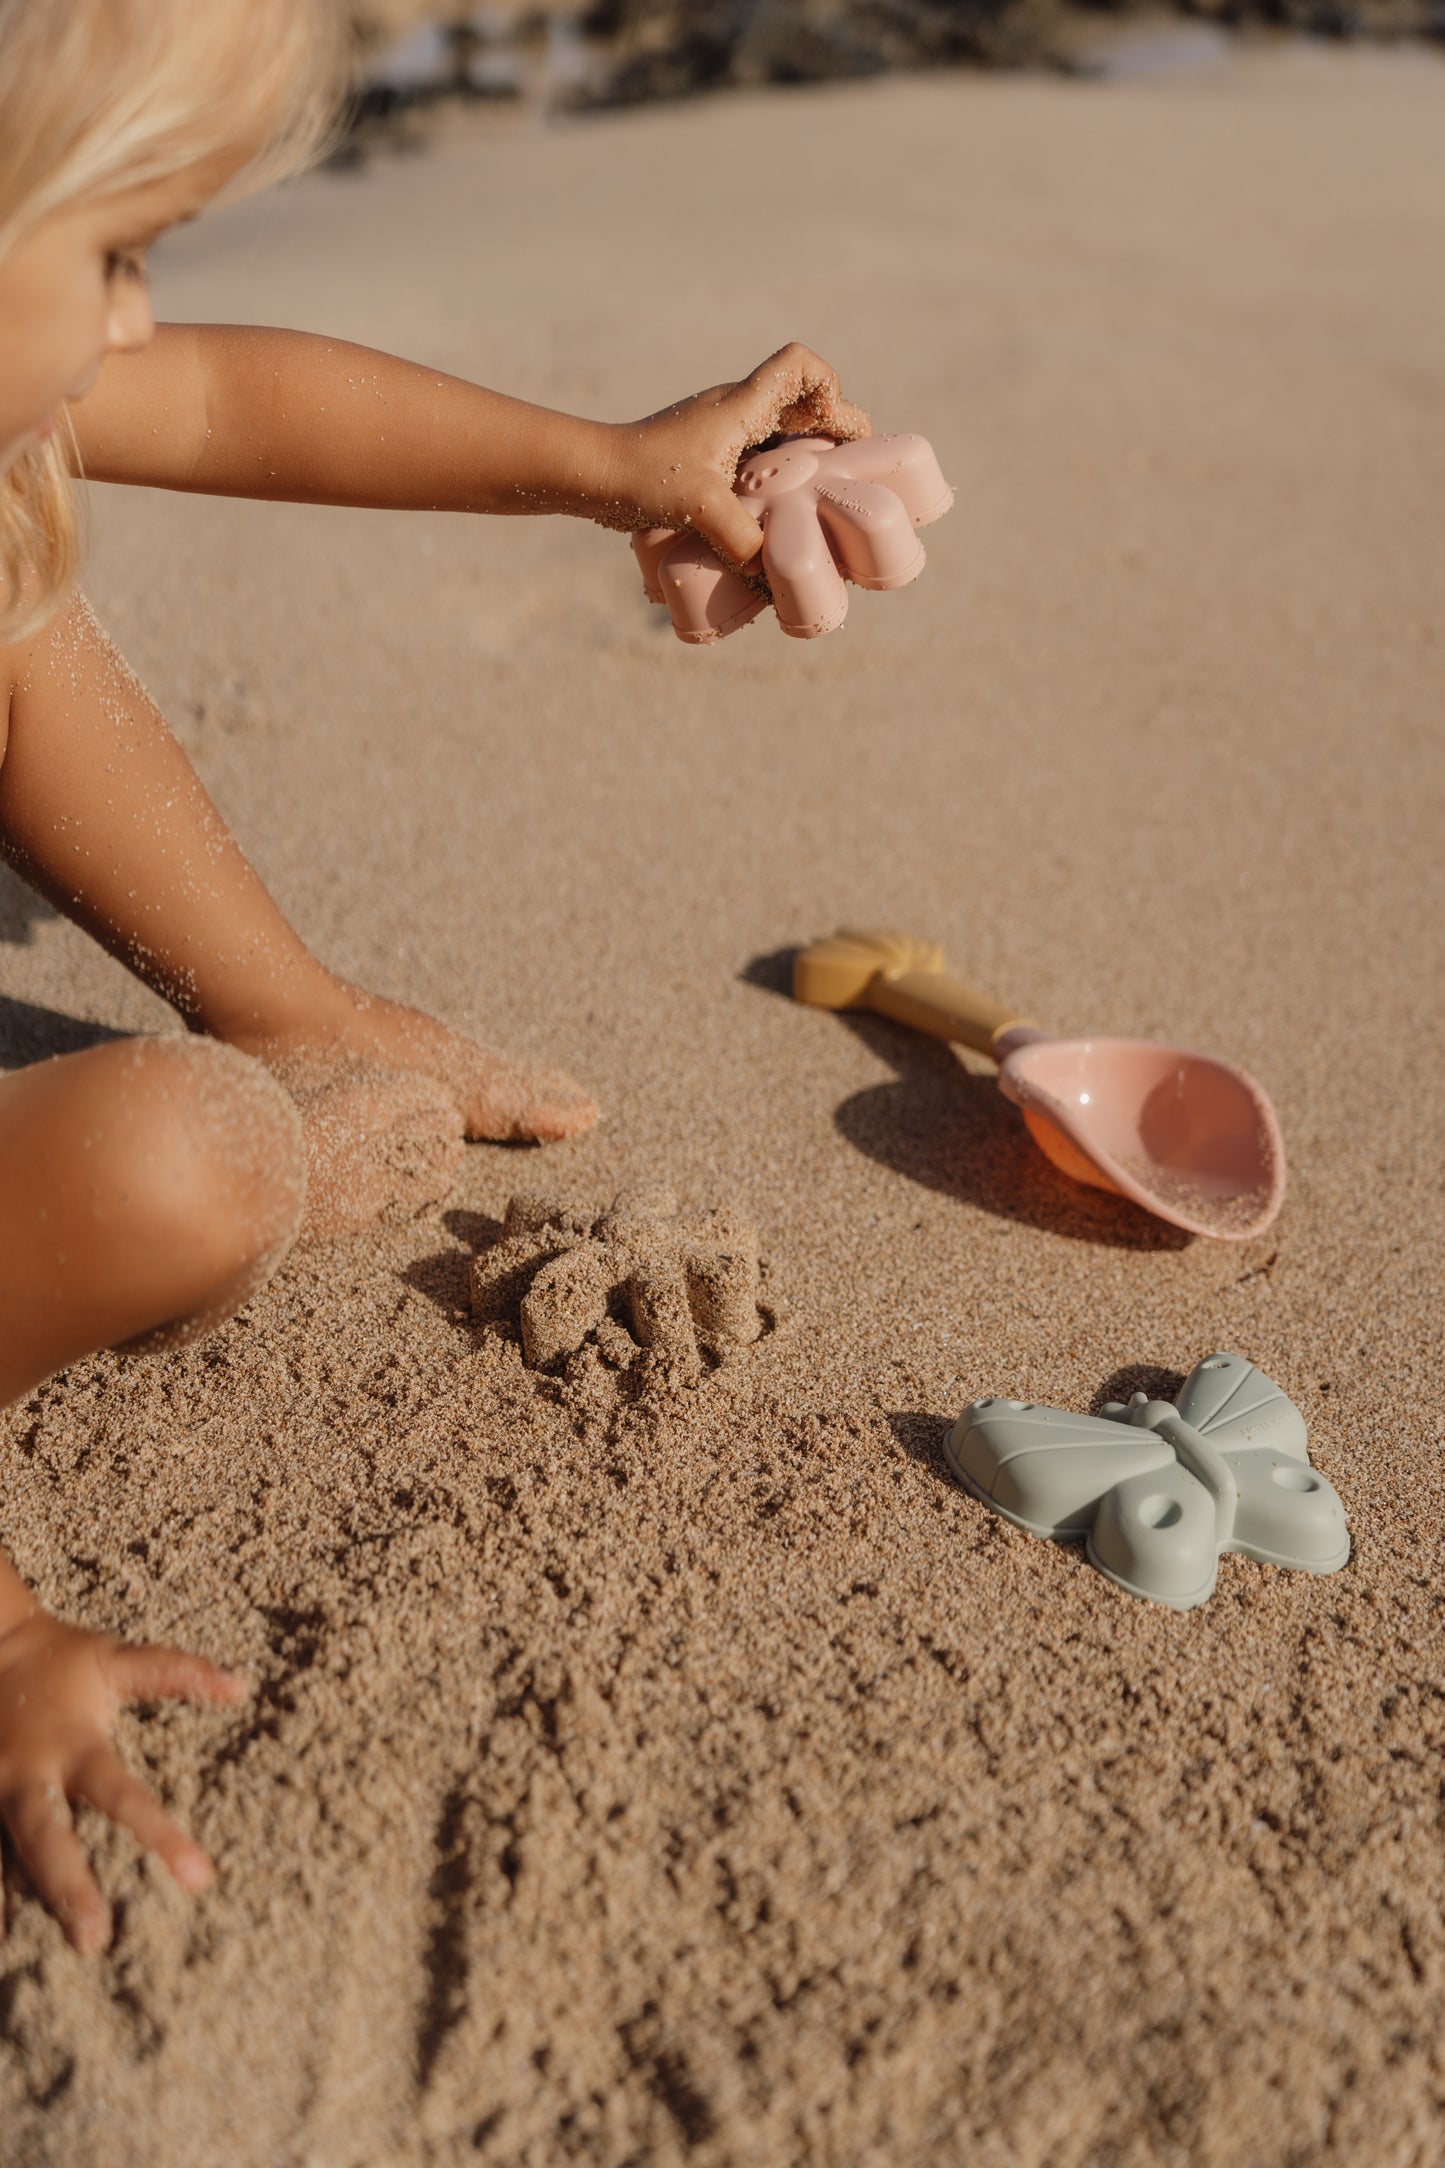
(829, 512)
(1191, 1138)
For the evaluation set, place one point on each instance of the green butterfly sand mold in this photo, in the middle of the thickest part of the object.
(1158, 1491)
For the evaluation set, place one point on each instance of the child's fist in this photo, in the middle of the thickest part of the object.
(677, 468)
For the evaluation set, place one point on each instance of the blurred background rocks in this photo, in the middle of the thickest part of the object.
(414, 54)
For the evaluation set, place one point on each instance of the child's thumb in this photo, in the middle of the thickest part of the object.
(731, 529)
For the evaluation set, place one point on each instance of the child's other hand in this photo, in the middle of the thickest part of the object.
(677, 468)
(60, 1691)
(386, 1095)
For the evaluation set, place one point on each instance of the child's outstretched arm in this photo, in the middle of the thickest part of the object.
(236, 412)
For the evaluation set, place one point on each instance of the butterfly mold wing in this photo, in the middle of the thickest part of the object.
(1046, 1470)
(1287, 1513)
(1239, 1409)
(1155, 1536)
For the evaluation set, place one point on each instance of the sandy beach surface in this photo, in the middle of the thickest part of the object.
(704, 1776)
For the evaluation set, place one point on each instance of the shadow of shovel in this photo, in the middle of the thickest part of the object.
(941, 1126)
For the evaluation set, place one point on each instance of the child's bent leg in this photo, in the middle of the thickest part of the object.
(101, 810)
(147, 1188)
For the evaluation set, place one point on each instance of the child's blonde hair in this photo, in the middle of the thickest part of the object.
(100, 95)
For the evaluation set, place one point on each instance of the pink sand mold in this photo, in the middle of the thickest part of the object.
(1159, 1491)
(829, 513)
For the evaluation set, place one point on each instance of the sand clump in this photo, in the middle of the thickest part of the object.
(638, 1293)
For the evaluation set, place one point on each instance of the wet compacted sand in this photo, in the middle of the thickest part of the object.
(696, 1773)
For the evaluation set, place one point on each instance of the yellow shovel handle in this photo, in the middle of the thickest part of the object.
(902, 977)
(938, 1003)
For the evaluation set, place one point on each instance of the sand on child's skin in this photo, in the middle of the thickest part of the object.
(715, 1780)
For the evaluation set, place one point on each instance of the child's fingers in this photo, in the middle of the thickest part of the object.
(105, 1781)
(155, 1673)
(38, 1818)
(731, 529)
(793, 386)
(847, 422)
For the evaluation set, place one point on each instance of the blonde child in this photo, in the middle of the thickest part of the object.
(149, 1186)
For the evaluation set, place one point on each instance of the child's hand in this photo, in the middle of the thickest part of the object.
(386, 1095)
(60, 1691)
(677, 468)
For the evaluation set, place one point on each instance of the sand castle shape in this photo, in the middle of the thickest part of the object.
(1159, 1491)
(639, 1287)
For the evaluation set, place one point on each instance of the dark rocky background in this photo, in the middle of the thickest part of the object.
(667, 48)
(600, 53)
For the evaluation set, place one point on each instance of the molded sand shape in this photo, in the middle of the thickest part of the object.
(639, 1288)
(829, 513)
(1157, 1492)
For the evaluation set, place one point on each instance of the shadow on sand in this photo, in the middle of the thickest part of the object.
(445, 1277)
(30, 1033)
(954, 1132)
(21, 910)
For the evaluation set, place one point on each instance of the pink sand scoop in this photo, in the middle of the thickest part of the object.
(1191, 1138)
(829, 512)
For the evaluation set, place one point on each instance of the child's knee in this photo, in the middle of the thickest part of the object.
(208, 1155)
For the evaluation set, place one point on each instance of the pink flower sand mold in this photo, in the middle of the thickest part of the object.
(829, 513)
